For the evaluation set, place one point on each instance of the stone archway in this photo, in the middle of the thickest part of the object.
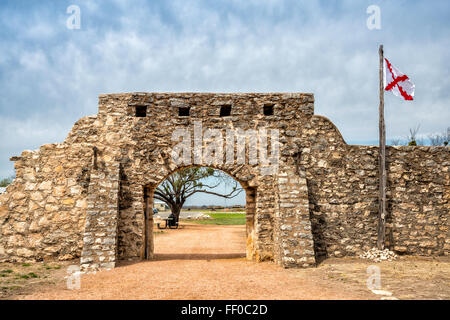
(135, 199)
(147, 247)
(143, 154)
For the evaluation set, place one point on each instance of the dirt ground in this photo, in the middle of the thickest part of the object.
(208, 262)
(22, 278)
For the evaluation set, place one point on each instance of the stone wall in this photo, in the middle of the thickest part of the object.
(100, 237)
(343, 195)
(43, 211)
(85, 196)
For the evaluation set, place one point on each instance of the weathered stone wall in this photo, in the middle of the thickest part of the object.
(343, 195)
(85, 196)
(100, 237)
(42, 214)
(144, 146)
(419, 200)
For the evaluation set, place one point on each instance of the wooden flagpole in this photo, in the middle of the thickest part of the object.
(382, 161)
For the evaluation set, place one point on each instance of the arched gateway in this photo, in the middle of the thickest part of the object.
(309, 194)
(150, 136)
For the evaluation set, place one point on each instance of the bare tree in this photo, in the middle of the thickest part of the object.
(396, 142)
(412, 140)
(436, 139)
(181, 185)
(441, 139)
(447, 138)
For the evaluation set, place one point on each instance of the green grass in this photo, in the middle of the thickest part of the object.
(224, 213)
(223, 219)
(7, 271)
(27, 276)
(47, 267)
(206, 210)
(11, 288)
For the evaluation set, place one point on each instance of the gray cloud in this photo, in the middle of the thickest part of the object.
(50, 76)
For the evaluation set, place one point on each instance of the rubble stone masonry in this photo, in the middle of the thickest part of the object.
(85, 198)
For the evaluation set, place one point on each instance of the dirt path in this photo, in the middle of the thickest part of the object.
(200, 262)
(207, 262)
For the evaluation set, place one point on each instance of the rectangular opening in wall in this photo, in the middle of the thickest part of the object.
(225, 110)
(268, 109)
(183, 111)
(141, 111)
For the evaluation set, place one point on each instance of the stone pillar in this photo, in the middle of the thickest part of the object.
(250, 223)
(266, 207)
(293, 226)
(100, 234)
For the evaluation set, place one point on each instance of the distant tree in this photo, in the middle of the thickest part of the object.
(396, 142)
(412, 140)
(6, 182)
(441, 139)
(436, 139)
(447, 137)
(181, 185)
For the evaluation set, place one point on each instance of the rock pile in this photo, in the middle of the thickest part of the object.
(200, 216)
(377, 255)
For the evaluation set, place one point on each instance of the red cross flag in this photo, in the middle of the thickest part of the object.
(397, 82)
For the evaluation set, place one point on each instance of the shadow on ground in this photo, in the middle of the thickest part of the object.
(197, 256)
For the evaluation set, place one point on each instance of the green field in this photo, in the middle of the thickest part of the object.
(222, 219)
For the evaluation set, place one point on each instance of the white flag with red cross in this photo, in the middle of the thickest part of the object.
(397, 82)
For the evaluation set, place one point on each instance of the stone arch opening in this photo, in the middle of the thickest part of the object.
(148, 243)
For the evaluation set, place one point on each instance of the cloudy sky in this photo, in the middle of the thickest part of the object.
(50, 76)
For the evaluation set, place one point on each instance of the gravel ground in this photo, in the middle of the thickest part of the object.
(208, 262)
